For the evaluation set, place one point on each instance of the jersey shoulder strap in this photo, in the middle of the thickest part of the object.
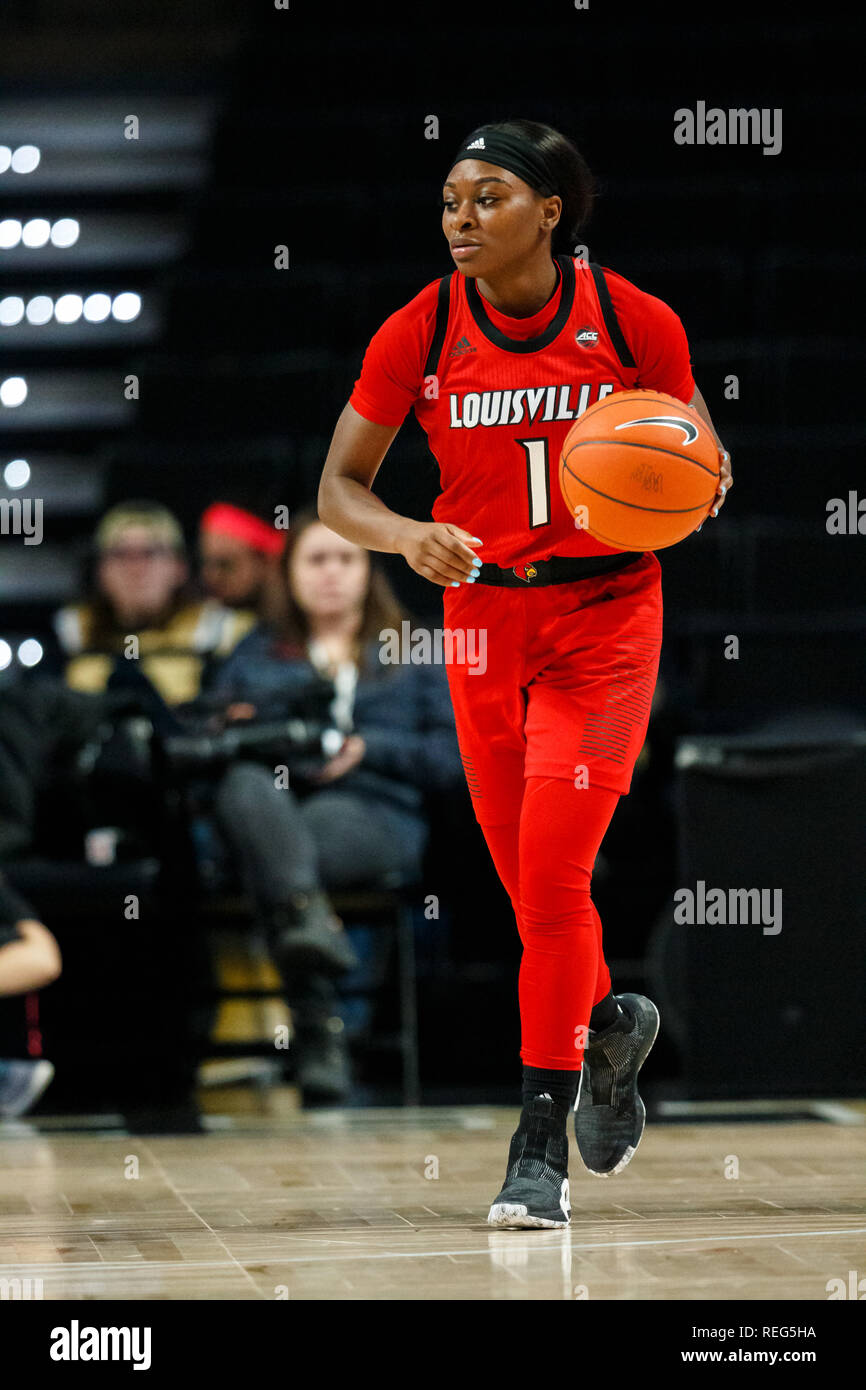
(611, 322)
(443, 308)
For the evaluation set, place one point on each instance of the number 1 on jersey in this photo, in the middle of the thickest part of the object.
(537, 480)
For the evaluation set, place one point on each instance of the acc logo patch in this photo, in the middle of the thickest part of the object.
(586, 337)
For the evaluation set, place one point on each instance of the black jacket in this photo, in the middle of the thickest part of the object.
(403, 713)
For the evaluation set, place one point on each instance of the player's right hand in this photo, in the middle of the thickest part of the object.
(441, 552)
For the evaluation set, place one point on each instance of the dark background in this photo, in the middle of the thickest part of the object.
(306, 127)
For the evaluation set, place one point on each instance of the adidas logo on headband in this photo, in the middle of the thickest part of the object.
(515, 152)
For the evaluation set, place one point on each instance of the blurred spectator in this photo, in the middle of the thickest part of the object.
(46, 731)
(141, 613)
(240, 559)
(345, 820)
(29, 960)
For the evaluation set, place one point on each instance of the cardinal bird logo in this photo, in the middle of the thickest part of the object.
(525, 572)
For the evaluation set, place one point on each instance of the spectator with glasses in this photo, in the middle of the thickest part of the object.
(141, 612)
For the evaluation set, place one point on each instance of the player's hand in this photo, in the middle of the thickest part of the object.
(348, 757)
(726, 481)
(441, 552)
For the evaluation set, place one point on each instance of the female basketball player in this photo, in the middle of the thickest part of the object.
(497, 360)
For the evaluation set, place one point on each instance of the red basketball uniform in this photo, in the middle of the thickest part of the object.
(555, 680)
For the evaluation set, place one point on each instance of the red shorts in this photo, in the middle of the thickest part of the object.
(552, 682)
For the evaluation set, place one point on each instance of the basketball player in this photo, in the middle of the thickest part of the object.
(498, 359)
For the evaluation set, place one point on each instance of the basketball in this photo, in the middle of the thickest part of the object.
(639, 470)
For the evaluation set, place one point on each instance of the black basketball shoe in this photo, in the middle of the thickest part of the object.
(609, 1115)
(535, 1192)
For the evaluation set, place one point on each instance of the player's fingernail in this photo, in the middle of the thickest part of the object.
(715, 511)
(471, 579)
(478, 540)
(455, 583)
(476, 569)
(699, 527)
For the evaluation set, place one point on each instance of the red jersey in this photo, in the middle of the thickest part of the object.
(496, 396)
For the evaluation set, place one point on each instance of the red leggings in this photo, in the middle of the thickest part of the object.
(545, 861)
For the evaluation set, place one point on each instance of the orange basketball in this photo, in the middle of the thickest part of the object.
(639, 470)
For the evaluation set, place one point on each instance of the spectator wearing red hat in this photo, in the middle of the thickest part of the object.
(239, 555)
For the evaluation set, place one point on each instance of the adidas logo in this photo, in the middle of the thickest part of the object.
(477, 144)
(462, 347)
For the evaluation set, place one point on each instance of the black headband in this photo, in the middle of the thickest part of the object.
(512, 152)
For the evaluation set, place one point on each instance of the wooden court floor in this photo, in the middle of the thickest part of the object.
(391, 1204)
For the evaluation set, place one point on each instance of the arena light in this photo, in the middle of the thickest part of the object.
(5, 654)
(5, 158)
(25, 159)
(11, 310)
(65, 232)
(126, 306)
(16, 473)
(10, 233)
(30, 652)
(13, 391)
(36, 232)
(97, 308)
(39, 309)
(68, 308)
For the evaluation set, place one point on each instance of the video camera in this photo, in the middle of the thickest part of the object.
(304, 738)
(287, 740)
(195, 741)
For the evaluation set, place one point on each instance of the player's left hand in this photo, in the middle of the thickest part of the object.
(726, 481)
(348, 757)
